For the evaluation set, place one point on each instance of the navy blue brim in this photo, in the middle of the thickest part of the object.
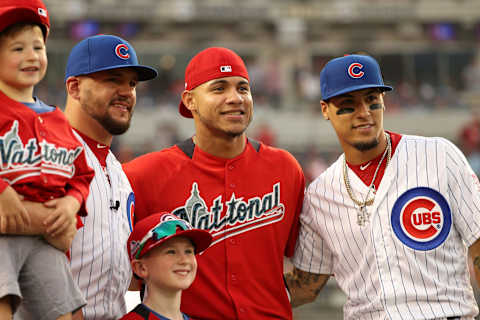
(144, 73)
(356, 88)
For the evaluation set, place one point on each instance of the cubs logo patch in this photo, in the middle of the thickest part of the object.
(121, 50)
(130, 210)
(355, 70)
(421, 218)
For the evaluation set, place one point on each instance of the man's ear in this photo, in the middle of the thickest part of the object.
(188, 100)
(324, 106)
(73, 87)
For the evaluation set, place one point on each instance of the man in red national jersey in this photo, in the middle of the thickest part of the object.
(246, 194)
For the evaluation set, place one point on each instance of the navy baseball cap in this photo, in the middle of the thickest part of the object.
(105, 52)
(350, 73)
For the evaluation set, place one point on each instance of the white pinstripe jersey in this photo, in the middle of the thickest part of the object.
(99, 258)
(397, 266)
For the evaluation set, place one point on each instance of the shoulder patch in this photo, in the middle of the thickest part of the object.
(421, 218)
(131, 210)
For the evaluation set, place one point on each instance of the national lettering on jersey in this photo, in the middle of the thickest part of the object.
(241, 215)
(421, 218)
(19, 160)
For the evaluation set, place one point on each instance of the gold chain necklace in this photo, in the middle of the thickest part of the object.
(362, 214)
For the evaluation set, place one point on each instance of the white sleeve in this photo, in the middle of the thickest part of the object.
(311, 253)
(464, 191)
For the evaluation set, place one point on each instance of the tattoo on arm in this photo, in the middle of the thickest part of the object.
(304, 286)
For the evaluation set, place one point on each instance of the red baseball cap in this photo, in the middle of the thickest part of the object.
(157, 228)
(13, 11)
(211, 63)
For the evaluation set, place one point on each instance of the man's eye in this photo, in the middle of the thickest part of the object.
(375, 106)
(345, 111)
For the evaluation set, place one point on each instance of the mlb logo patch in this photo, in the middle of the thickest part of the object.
(226, 69)
(42, 12)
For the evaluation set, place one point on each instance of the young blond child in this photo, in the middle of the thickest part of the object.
(43, 163)
(162, 249)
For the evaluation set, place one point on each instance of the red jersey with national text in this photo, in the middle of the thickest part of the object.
(40, 157)
(250, 204)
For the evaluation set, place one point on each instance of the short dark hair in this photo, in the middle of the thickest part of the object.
(15, 28)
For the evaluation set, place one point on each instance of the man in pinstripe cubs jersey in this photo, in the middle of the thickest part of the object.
(101, 77)
(393, 218)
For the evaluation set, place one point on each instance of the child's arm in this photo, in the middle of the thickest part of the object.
(39, 213)
(63, 216)
(14, 217)
(67, 208)
(63, 241)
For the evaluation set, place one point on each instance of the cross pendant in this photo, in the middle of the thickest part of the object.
(362, 215)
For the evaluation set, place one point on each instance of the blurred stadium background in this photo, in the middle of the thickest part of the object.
(428, 50)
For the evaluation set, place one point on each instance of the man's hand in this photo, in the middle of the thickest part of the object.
(14, 218)
(64, 215)
(304, 286)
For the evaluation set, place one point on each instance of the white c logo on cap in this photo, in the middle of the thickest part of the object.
(355, 70)
(121, 50)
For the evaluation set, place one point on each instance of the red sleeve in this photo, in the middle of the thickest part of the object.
(300, 190)
(79, 185)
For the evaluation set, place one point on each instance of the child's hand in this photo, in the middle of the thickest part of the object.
(63, 241)
(63, 216)
(13, 215)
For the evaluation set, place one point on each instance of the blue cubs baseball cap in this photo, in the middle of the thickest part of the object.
(105, 52)
(350, 73)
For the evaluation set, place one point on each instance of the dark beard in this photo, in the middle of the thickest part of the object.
(113, 127)
(365, 146)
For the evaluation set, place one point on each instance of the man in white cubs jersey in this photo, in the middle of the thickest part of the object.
(393, 218)
(101, 77)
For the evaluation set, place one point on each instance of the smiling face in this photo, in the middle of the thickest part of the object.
(109, 97)
(170, 267)
(23, 61)
(221, 107)
(357, 118)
